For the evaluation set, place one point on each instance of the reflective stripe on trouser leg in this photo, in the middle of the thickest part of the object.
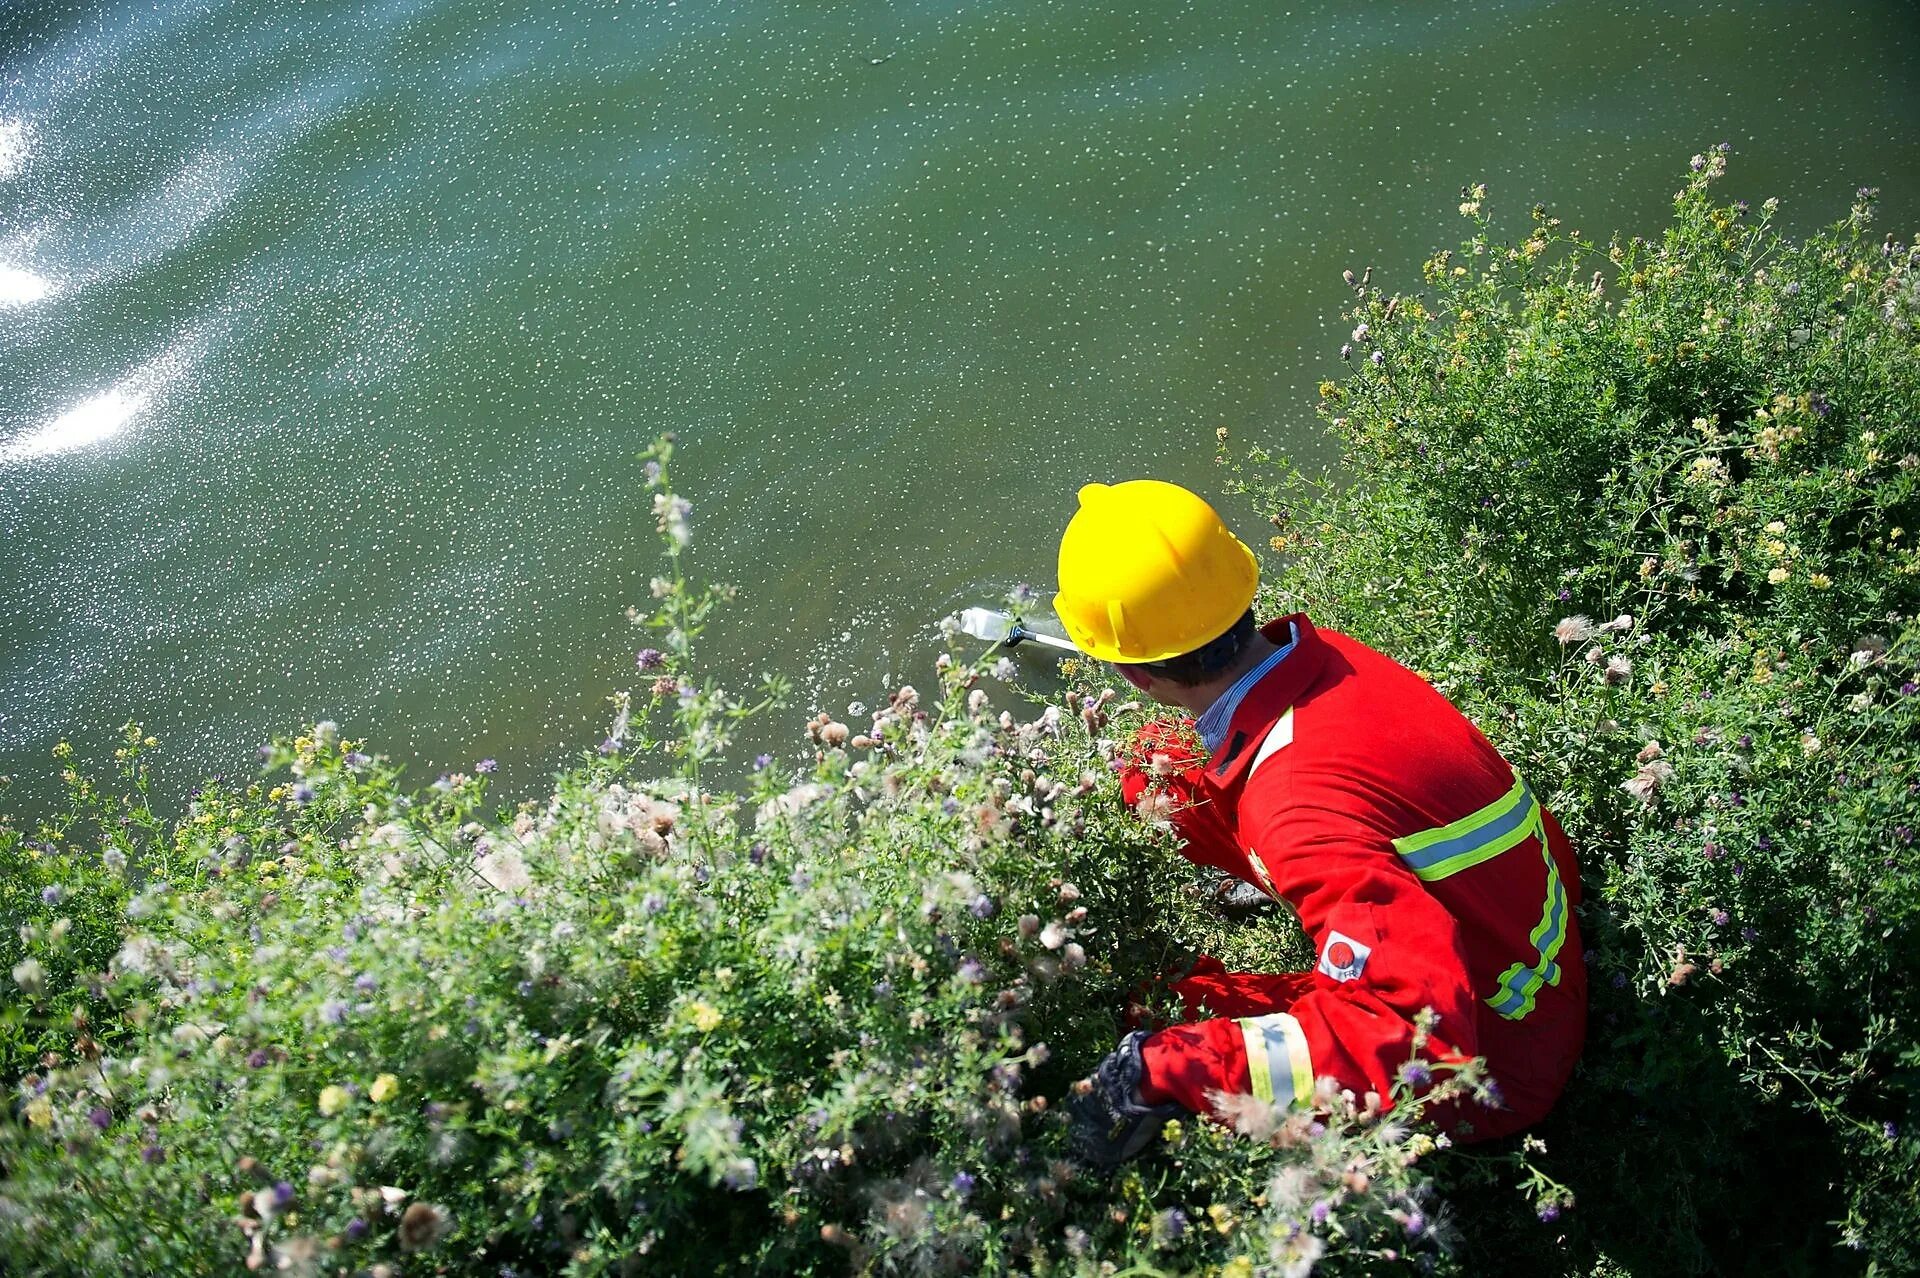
(1277, 1060)
(1520, 984)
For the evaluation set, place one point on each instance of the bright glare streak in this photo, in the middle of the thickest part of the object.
(19, 287)
(13, 147)
(89, 423)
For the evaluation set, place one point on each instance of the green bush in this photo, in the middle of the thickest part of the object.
(327, 1025)
(326, 1022)
(1645, 510)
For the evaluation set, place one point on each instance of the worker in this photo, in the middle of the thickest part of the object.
(1437, 891)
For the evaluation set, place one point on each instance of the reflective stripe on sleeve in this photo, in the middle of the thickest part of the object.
(1479, 836)
(1277, 1060)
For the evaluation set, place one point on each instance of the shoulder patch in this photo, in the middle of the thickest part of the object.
(1343, 958)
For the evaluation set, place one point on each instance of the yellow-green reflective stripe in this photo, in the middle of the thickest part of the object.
(1259, 1067)
(1479, 836)
(1277, 1060)
(1519, 984)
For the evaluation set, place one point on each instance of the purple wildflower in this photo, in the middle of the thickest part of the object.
(333, 1011)
(1904, 833)
(354, 759)
(258, 1058)
(338, 953)
(1908, 688)
(486, 767)
(1721, 918)
(883, 989)
(1416, 1224)
(1416, 1074)
(101, 1117)
(983, 906)
(1697, 163)
(282, 1193)
(963, 1183)
(1818, 403)
(762, 761)
(1890, 1130)
(610, 746)
(52, 893)
(1564, 595)
(757, 854)
(971, 971)
(365, 983)
(1319, 1212)
(356, 1229)
(1549, 1212)
(153, 1154)
(653, 903)
(1378, 358)
(650, 659)
(1749, 934)
(303, 793)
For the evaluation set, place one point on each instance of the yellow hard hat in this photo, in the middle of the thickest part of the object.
(1148, 572)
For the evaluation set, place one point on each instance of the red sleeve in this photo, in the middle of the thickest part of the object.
(1387, 950)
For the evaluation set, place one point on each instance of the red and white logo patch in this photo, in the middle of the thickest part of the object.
(1344, 958)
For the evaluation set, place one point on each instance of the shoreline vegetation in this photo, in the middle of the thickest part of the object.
(1645, 508)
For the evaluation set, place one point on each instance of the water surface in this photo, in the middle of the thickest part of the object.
(328, 331)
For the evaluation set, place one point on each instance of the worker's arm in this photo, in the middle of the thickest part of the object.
(1387, 950)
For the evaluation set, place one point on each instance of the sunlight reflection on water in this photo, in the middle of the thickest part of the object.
(102, 417)
(15, 142)
(19, 287)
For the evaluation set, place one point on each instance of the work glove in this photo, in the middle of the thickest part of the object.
(1108, 1122)
(1238, 899)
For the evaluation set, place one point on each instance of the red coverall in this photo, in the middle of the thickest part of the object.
(1423, 869)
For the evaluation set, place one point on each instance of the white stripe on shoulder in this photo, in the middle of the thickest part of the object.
(1279, 736)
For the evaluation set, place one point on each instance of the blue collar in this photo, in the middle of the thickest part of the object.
(1212, 725)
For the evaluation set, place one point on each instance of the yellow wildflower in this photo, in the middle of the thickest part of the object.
(333, 1099)
(706, 1017)
(384, 1089)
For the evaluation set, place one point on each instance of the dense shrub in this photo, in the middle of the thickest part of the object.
(326, 1023)
(1646, 509)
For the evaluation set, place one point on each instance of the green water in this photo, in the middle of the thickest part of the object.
(328, 330)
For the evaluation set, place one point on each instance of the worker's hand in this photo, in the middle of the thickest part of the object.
(1110, 1123)
(1239, 899)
